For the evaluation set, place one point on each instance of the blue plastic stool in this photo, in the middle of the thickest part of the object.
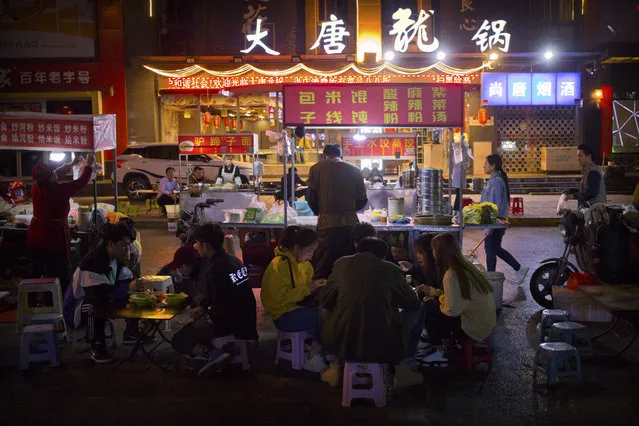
(559, 354)
(569, 332)
(548, 318)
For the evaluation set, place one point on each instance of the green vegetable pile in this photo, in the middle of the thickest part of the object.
(480, 214)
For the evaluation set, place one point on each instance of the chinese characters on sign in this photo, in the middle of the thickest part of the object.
(405, 29)
(469, 24)
(256, 40)
(379, 146)
(217, 144)
(205, 81)
(400, 105)
(41, 78)
(38, 134)
(500, 89)
(486, 41)
(332, 36)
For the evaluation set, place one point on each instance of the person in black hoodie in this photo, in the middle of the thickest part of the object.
(223, 304)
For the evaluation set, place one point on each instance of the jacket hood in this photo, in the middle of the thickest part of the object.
(280, 251)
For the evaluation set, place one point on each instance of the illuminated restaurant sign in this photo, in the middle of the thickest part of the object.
(399, 105)
(513, 89)
(217, 144)
(379, 146)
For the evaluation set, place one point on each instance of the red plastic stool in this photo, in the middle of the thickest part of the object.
(474, 352)
(466, 202)
(516, 205)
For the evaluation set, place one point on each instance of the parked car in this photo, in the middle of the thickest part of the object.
(142, 165)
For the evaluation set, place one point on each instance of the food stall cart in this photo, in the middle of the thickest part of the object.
(232, 197)
(27, 131)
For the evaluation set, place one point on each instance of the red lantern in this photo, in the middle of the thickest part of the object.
(227, 121)
(482, 116)
(207, 118)
(234, 123)
(216, 121)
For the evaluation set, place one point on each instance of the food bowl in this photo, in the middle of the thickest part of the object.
(140, 299)
(175, 299)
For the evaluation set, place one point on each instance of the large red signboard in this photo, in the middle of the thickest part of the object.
(217, 144)
(63, 134)
(398, 105)
(379, 146)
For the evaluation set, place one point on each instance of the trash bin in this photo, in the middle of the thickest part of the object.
(496, 280)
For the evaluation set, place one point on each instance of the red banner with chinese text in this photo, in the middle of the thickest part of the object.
(68, 133)
(380, 146)
(217, 144)
(398, 105)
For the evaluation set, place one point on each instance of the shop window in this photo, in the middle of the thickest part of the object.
(8, 164)
(165, 152)
(70, 106)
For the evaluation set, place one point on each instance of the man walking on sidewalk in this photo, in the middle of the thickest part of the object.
(336, 192)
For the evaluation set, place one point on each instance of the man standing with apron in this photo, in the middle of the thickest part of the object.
(336, 192)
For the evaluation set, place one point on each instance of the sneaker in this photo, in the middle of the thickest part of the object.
(331, 375)
(521, 274)
(131, 338)
(436, 359)
(100, 355)
(315, 364)
(216, 359)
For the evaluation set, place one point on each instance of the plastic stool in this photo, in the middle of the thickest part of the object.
(38, 333)
(566, 330)
(296, 356)
(151, 203)
(516, 205)
(242, 357)
(352, 377)
(55, 319)
(548, 318)
(39, 285)
(559, 353)
(470, 355)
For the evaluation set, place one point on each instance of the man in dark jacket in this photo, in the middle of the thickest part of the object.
(364, 294)
(336, 192)
(224, 303)
(592, 189)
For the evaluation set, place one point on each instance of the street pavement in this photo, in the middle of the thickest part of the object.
(137, 393)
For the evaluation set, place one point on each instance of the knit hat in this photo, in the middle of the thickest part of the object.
(185, 255)
(42, 172)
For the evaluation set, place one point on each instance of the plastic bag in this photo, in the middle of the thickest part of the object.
(276, 213)
(578, 279)
(561, 205)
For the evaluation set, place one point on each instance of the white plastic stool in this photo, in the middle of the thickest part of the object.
(296, 356)
(242, 357)
(548, 318)
(569, 332)
(352, 377)
(162, 283)
(38, 333)
(39, 285)
(55, 319)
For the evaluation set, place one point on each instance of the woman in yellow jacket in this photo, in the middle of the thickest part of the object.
(288, 280)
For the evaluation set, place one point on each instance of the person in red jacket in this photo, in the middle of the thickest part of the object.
(48, 235)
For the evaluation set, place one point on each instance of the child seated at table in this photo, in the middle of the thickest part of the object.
(100, 279)
(224, 303)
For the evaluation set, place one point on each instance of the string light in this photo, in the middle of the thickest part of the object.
(247, 68)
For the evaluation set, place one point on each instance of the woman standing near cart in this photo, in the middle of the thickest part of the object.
(48, 234)
(497, 192)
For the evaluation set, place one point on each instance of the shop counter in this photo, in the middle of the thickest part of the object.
(231, 200)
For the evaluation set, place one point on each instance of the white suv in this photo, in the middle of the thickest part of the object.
(142, 165)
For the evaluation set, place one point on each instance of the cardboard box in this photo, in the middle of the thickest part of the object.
(562, 159)
(580, 306)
